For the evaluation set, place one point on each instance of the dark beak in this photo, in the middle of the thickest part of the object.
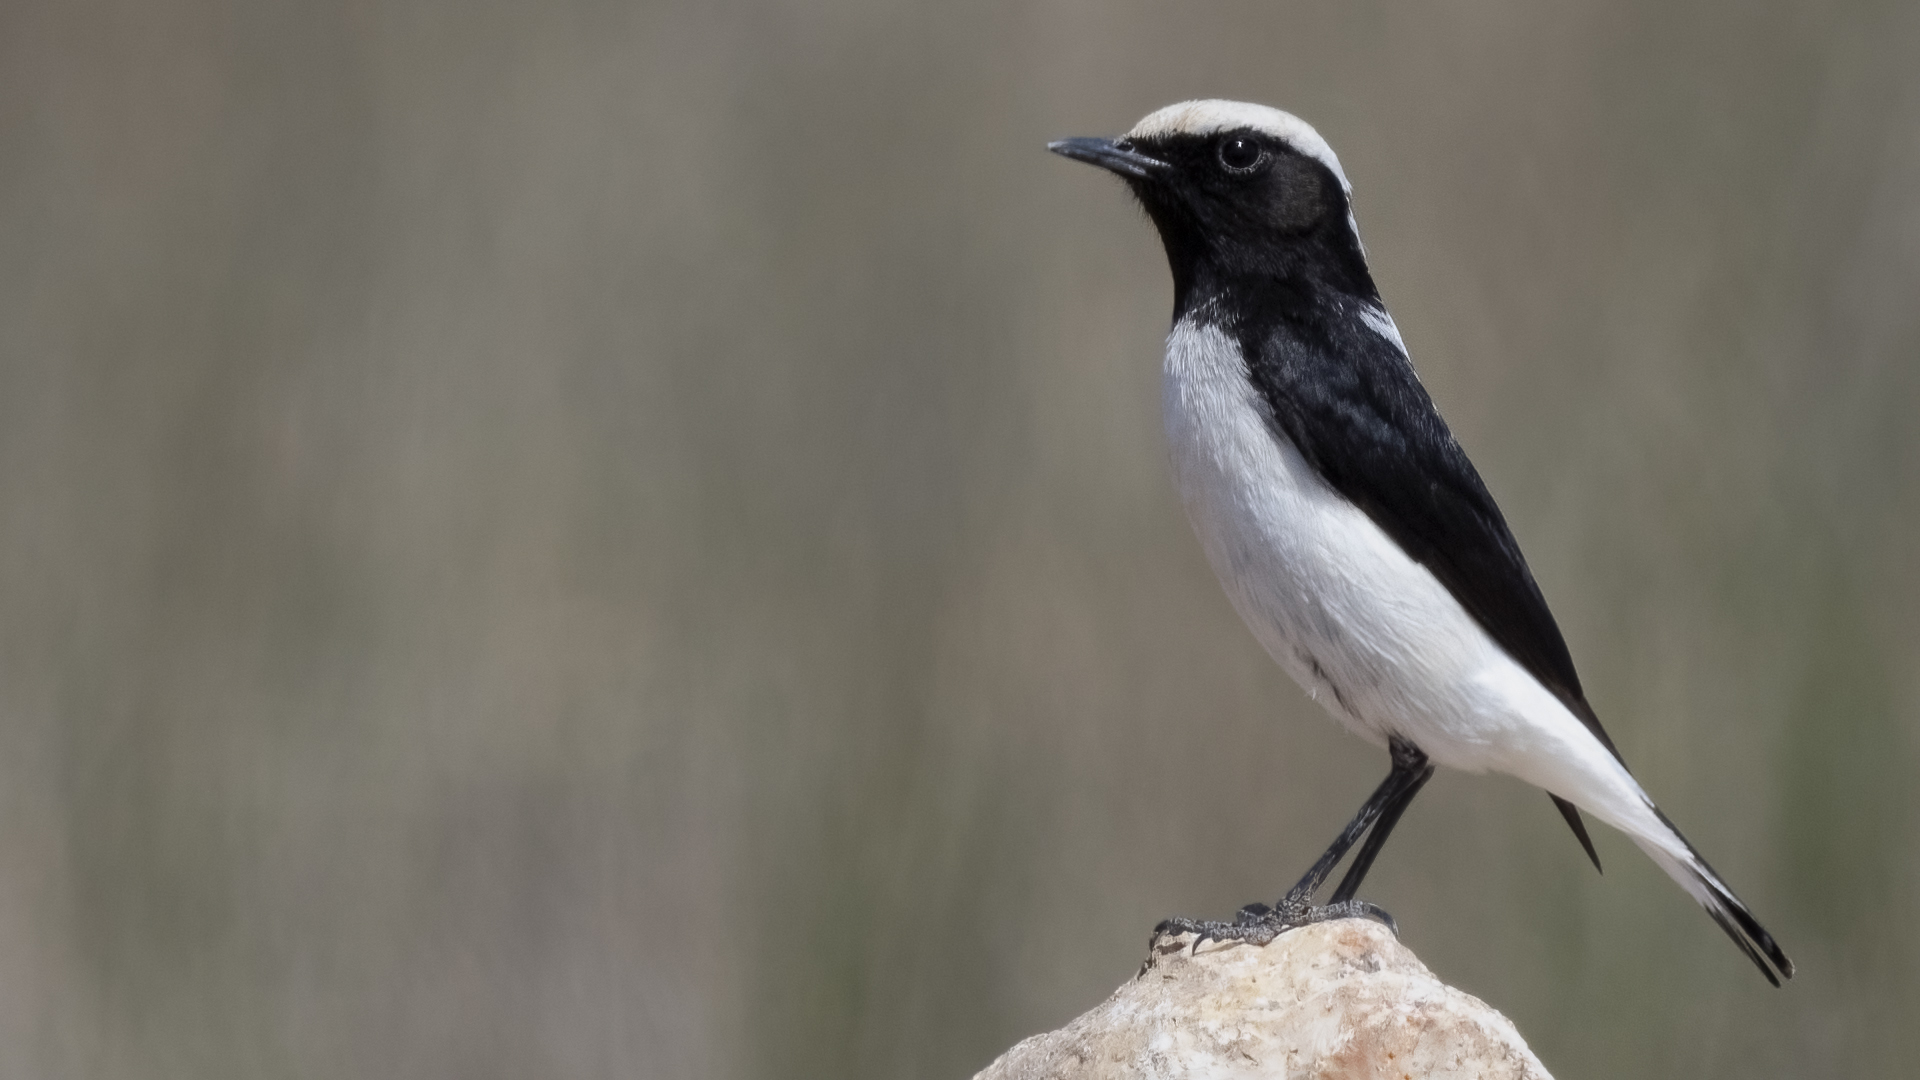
(1110, 155)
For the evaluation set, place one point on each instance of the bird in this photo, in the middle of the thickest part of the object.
(1348, 527)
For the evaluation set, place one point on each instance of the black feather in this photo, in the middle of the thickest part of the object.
(1269, 257)
(1731, 913)
(1346, 396)
(1572, 814)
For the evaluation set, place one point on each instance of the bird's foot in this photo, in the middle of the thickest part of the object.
(1258, 924)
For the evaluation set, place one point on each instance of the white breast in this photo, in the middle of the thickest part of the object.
(1370, 633)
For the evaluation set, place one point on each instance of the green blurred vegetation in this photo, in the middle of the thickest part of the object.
(589, 539)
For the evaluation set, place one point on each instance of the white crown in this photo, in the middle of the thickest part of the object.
(1208, 117)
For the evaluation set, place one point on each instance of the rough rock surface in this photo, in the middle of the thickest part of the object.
(1340, 999)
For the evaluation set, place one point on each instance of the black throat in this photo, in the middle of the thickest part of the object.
(1304, 284)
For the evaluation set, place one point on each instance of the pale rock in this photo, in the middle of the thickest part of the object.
(1337, 1000)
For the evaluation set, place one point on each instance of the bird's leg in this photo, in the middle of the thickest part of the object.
(1377, 837)
(1258, 924)
(1401, 782)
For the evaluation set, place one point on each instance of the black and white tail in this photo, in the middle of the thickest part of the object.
(1684, 865)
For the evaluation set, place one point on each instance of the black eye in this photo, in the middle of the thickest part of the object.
(1240, 154)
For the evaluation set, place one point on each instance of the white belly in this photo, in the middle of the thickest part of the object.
(1370, 633)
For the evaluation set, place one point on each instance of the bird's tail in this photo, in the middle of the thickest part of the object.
(1684, 865)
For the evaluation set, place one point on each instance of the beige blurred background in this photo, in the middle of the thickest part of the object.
(551, 539)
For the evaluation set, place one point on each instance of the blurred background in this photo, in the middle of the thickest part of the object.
(576, 539)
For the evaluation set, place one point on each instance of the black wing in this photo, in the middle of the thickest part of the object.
(1350, 401)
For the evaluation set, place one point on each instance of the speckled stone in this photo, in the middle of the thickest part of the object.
(1337, 1000)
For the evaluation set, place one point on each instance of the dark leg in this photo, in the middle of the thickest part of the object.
(1377, 838)
(1410, 770)
(1259, 924)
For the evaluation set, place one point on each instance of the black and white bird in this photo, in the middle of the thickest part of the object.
(1350, 530)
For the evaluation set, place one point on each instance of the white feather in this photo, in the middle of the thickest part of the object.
(1370, 633)
(1381, 323)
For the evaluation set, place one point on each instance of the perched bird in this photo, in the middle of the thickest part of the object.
(1350, 530)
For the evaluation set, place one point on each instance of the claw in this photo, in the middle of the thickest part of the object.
(1258, 924)
(1376, 913)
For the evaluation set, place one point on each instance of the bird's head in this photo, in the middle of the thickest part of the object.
(1236, 189)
